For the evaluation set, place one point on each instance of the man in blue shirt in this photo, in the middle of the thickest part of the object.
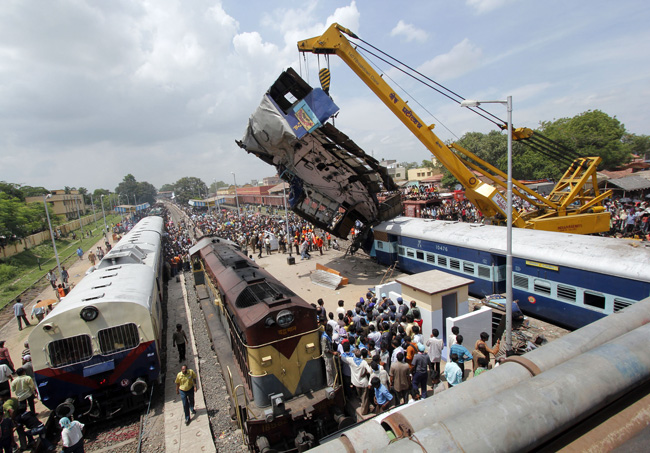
(461, 352)
(453, 372)
(383, 397)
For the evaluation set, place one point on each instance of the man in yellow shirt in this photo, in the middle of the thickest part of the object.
(186, 385)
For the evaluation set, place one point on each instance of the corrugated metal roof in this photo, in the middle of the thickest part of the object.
(630, 183)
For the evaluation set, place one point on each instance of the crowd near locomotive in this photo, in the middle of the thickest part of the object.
(570, 280)
(275, 341)
(98, 351)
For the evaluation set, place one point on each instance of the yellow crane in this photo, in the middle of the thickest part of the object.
(573, 206)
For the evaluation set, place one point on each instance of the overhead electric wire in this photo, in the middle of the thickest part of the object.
(428, 85)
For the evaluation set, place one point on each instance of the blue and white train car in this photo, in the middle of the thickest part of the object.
(570, 280)
(98, 351)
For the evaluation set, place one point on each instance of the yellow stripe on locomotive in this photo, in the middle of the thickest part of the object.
(272, 372)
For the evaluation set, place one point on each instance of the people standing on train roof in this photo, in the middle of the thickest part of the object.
(186, 386)
(179, 339)
(19, 313)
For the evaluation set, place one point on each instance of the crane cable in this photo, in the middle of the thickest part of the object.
(538, 143)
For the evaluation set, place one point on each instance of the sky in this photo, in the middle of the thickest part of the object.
(91, 91)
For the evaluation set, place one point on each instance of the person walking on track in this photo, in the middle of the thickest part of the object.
(19, 313)
(179, 339)
(186, 386)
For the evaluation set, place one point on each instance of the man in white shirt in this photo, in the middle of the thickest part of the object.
(435, 346)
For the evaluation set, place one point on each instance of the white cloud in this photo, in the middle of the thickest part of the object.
(484, 6)
(461, 59)
(409, 32)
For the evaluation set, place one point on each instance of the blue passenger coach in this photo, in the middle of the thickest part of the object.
(570, 280)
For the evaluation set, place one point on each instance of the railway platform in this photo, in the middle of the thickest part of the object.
(197, 436)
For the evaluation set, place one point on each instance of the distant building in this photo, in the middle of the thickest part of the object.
(63, 204)
(271, 181)
(395, 170)
(418, 174)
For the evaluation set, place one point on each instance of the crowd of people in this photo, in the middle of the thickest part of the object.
(629, 218)
(383, 358)
(18, 392)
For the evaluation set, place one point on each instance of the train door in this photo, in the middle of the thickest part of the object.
(499, 278)
(449, 310)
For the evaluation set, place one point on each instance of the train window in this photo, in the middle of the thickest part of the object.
(620, 304)
(431, 258)
(118, 338)
(379, 245)
(468, 268)
(594, 300)
(483, 271)
(520, 281)
(420, 255)
(410, 253)
(542, 286)
(454, 264)
(566, 293)
(68, 351)
(442, 261)
(400, 251)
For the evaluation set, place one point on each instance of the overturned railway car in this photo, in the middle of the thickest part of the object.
(274, 338)
(98, 352)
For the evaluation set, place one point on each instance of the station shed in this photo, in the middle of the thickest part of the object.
(439, 295)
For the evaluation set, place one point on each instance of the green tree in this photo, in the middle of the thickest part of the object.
(189, 187)
(167, 188)
(146, 193)
(29, 191)
(592, 133)
(216, 186)
(12, 189)
(18, 220)
(638, 144)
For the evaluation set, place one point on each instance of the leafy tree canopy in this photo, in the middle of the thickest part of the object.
(18, 220)
(140, 192)
(189, 187)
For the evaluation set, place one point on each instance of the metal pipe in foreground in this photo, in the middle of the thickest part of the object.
(418, 416)
(538, 409)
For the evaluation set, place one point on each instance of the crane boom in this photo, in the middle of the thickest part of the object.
(551, 215)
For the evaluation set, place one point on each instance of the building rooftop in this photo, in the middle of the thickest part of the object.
(432, 282)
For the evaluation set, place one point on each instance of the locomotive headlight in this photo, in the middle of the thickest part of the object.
(89, 313)
(284, 318)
